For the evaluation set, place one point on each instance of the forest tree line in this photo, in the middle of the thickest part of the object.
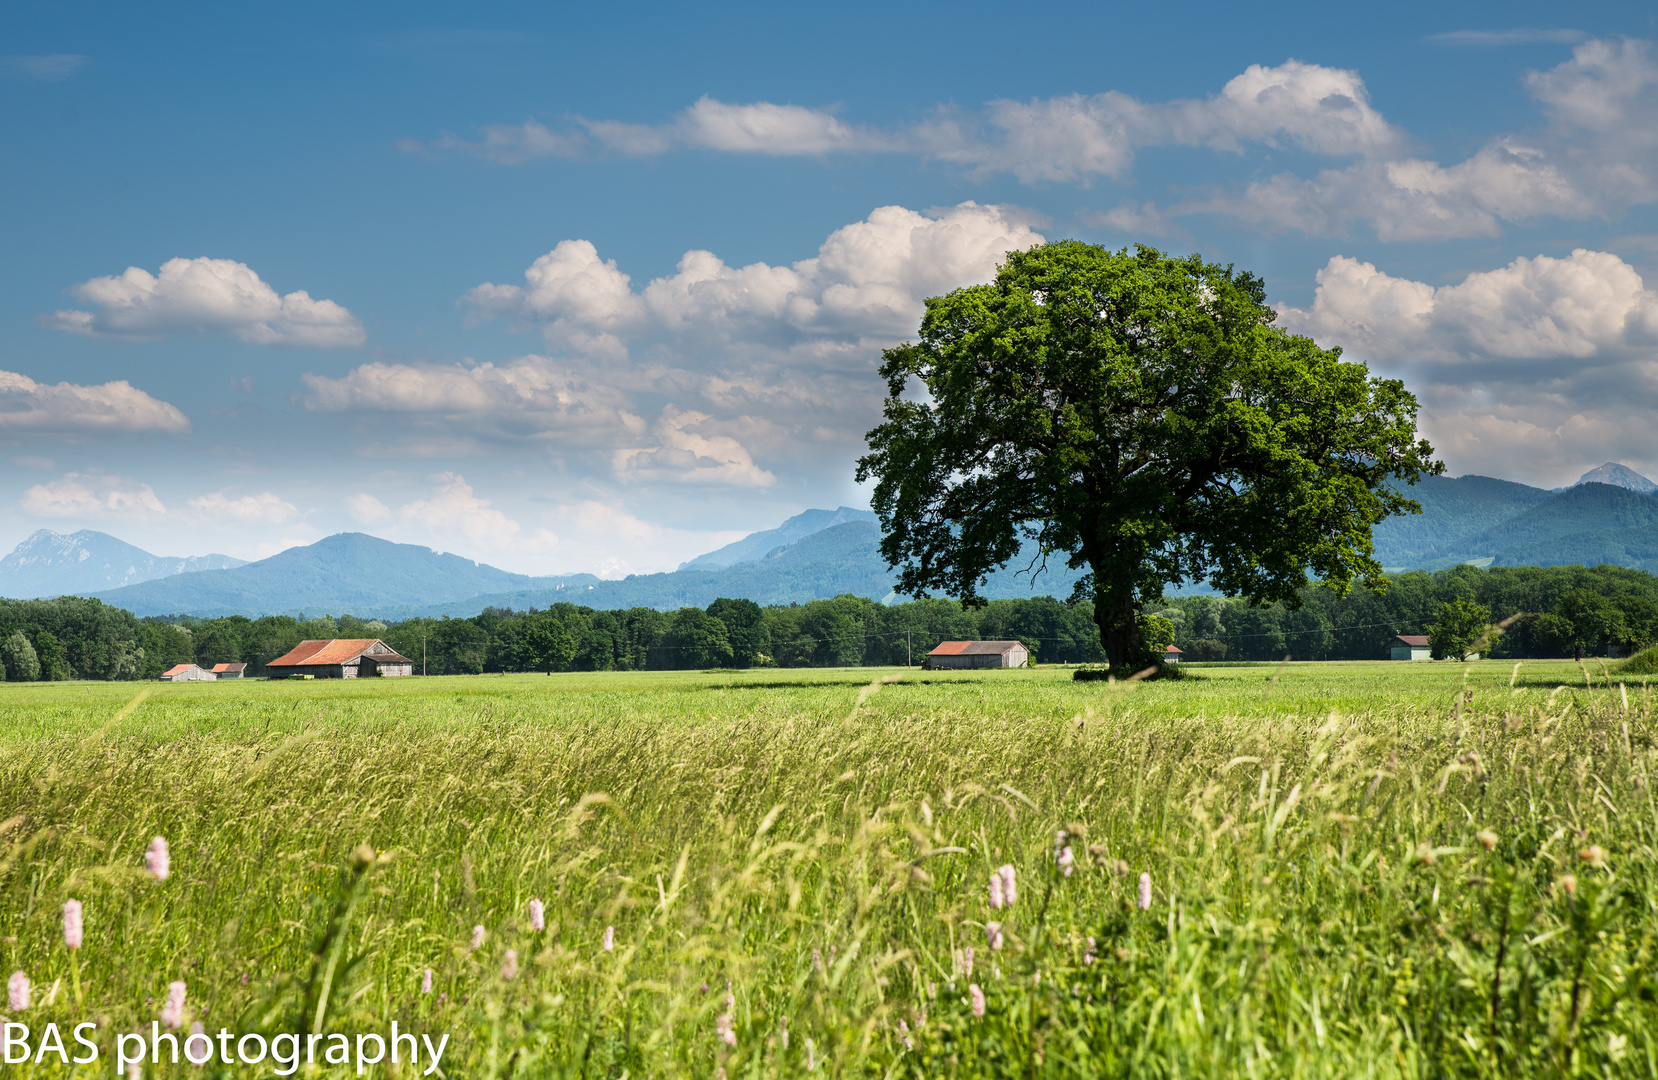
(1559, 609)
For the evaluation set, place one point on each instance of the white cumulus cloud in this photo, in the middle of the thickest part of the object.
(691, 449)
(91, 495)
(206, 296)
(69, 409)
(455, 507)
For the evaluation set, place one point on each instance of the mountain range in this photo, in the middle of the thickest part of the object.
(1610, 516)
(52, 564)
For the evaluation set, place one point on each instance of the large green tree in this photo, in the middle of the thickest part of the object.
(1140, 416)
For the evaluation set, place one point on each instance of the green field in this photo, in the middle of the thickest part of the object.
(1322, 902)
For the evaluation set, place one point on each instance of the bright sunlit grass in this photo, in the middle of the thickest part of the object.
(1356, 869)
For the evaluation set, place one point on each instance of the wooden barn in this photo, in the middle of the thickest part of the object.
(977, 654)
(187, 673)
(230, 671)
(341, 658)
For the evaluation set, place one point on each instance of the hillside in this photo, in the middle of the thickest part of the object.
(1542, 529)
(55, 564)
(1451, 509)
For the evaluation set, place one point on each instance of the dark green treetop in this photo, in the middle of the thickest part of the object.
(1139, 415)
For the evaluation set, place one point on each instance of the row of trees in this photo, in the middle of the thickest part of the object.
(1555, 610)
(1559, 609)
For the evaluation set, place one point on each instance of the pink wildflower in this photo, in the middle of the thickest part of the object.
(198, 1031)
(509, 966)
(1009, 892)
(477, 937)
(72, 927)
(904, 1033)
(158, 859)
(610, 939)
(977, 995)
(17, 988)
(538, 916)
(967, 961)
(996, 891)
(993, 935)
(1090, 956)
(426, 982)
(1145, 892)
(172, 1013)
(723, 1028)
(1067, 861)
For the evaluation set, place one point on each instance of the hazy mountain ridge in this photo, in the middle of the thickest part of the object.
(822, 553)
(57, 564)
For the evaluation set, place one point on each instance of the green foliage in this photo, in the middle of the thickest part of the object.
(547, 645)
(54, 662)
(1138, 414)
(1643, 663)
(1458, 626)
(1403, 889)
(22, 665)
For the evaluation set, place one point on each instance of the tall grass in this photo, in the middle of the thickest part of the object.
(1462, 884)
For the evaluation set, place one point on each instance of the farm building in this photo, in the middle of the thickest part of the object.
(1173, 655)
(977, 654)
(342, 658)
(187, 673)
(1411, 647)
(230, 671)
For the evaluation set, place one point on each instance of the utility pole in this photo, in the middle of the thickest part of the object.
(909, 660)
(423, 655)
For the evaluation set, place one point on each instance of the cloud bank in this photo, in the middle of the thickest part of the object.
(1553, 360)
(705, 375)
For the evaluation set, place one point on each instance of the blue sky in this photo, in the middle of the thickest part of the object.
(599, 289)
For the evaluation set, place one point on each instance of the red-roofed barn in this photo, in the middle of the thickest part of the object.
(342, 658)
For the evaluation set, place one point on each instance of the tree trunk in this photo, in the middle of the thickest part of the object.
(1115, 615)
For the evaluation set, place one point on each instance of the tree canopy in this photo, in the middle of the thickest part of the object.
(1139, 415)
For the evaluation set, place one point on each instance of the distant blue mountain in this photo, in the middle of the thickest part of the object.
(52, 564)
(346, 573)
(756, 545)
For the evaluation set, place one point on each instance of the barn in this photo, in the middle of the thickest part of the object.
(977, 654)
(1410, 647)
(341, 658)
(230, 671)
(187, 673)
(1173, 655)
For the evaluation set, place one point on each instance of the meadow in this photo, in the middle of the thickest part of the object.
(1334, 869)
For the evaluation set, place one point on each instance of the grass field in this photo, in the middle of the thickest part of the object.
(1355, 870)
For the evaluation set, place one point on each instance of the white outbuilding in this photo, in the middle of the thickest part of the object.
(977, 654)
(1411, 647)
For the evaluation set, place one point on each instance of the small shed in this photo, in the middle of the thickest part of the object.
(230, 671)
(977, 654)
(1411, 647)
(1173, 655)
(341, 658)
(187, 673)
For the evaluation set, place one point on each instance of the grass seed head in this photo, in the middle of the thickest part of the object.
(1487, 839)
(1594, 855)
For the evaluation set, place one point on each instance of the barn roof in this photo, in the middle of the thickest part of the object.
(221, 668)
(1173, 650)
(176, 669)
(337, 651)
(974, 648)
(1415, 641)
